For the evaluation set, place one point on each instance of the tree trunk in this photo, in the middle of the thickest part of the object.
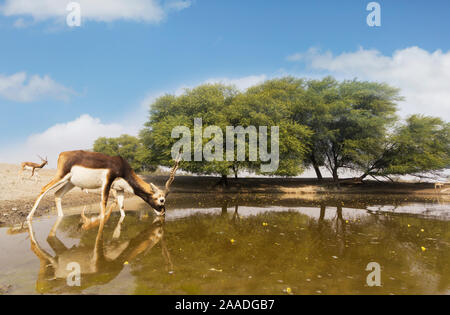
(235, 171)
(335, 174)
(224, 180)
(336, 177)
(318, 173)
(316, 167)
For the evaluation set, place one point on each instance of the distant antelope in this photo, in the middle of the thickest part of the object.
(33, 167)
(439, 185)
(91, 170)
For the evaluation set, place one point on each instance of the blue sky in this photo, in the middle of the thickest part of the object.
(61, 87)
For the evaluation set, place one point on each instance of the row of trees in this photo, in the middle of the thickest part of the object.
(322, 123)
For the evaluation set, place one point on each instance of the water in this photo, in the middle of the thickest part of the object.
(243, 245)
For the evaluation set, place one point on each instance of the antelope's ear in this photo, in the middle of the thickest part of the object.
(154, 188)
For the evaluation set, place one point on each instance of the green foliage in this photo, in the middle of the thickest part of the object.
(223, 106)
(347, 118)
(421, 145)
(128, 147)
(337, 124)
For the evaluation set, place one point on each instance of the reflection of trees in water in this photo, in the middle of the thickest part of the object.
(292, 247)
(354, 243)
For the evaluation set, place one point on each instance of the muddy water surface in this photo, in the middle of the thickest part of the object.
(242, 245)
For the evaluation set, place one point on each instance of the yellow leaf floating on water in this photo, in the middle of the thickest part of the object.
(232, 241)
(125, 263)
(265, 224)
(409, 225)
(422, 230)
(288, 290)
(423, 249)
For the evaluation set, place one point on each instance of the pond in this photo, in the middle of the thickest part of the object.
(242, 245)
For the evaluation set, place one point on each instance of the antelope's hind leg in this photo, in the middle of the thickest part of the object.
(59, 194)
(53, 184)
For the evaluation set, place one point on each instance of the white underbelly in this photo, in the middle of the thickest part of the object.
(28, 168)
(88, 178)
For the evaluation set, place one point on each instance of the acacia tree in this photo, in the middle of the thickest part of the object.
(224, 106)
(271, 104)
(420, 145)
(205, 102)
(126, 146)
(348, 124)
(345, 117)
(314, 99)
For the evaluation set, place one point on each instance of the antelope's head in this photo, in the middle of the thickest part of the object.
(158, 197)
(44, 161)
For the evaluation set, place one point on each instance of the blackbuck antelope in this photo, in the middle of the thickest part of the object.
(33, 167)
(91, 170)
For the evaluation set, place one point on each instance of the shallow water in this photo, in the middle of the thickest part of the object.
(251, 245)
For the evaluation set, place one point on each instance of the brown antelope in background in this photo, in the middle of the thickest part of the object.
(441, 186)
(91, 170)
(33, 167)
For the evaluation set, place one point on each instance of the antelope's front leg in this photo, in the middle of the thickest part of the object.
(105, 195)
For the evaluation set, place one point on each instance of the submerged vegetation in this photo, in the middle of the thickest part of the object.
(323, 123)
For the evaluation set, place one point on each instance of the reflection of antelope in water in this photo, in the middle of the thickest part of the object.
(33, 167)
(94, 221)
(99, 264)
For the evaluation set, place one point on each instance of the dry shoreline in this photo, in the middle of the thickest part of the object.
(17, 197)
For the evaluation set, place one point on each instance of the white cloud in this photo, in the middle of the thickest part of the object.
(74, 135)
(422, 76)
(20, 87)
(83, 131)
(152, 11)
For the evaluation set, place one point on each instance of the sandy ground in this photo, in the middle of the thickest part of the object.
(17, 197)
